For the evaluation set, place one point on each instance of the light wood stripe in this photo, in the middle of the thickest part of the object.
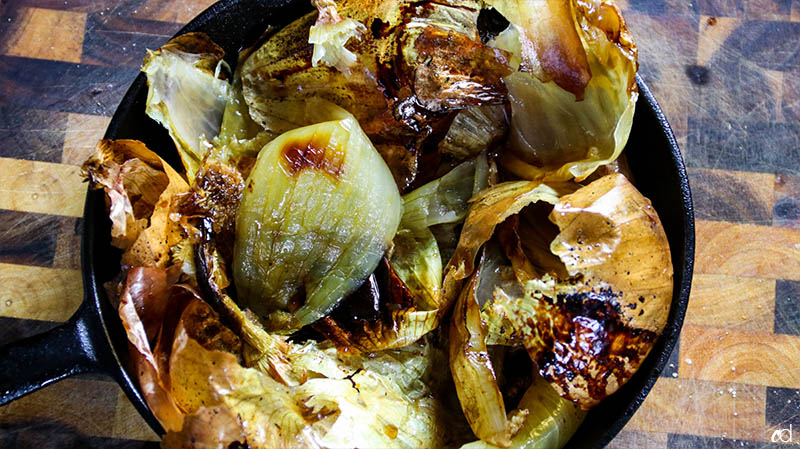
(39, 293)
(695, 407)
(747, 250)
(32, 35)
(711, 37)
(83, 132)
(732, 302)
(757, 358)
(43, 187)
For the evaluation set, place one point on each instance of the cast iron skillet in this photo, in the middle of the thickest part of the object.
(93, 340)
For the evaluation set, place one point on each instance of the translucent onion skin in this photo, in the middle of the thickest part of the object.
(186, 96)
(445, 199)
(474, 129)
(550, 422)
(565, 124)
(318, 212)
(472, 370)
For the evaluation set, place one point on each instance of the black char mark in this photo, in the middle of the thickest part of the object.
(490, 24)
(588, 335)
(365, 320)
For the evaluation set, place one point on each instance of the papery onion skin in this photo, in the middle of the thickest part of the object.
(329, 35)
(550, 47)
(490, 208)
(319, 210)
(140, 186)
(472, 370)
(445, 199)
(402, 303)
(384, 313)
(590, 331)
(633, 254)
(415, 65)
(418, 264)
(474, 129)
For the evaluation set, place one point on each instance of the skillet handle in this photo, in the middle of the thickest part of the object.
(37, 361)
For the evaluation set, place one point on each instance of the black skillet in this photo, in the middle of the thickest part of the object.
(93, 340)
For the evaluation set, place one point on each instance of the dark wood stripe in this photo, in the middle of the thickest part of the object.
(790, 102)
(782, 407)
(743, 146)
(749, 9)
(45, 434)
(68, 5)
(120, 40)
(696, 442)
(28, 238)
(648, 6)
(728, 196)
(13, 329)
(72, 413)
(660, 7)
(787, 309)
(63, 86)
(638, 440)
(738, 99)
(68, 244)
(755, 41)
(31, 134)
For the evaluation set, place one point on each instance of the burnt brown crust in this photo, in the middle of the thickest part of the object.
(371, 318)
(588, 351)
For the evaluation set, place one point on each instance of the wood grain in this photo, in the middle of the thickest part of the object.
(33, 35)
(697, 407)
(756, 358)
(80, 405)
(41, 187)
(68, 244)
(787, 201)
(757, 9)
(712, 191)
(128, 423)
(57, 292)
(27, 238)
(180, 11)
(24, 136)
(635, 440)
(749, 303)
(714, 30)
(653, 37)
(787, 307)
(747, 250)
(81, 135)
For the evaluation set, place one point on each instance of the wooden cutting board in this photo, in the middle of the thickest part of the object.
(727, 73)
